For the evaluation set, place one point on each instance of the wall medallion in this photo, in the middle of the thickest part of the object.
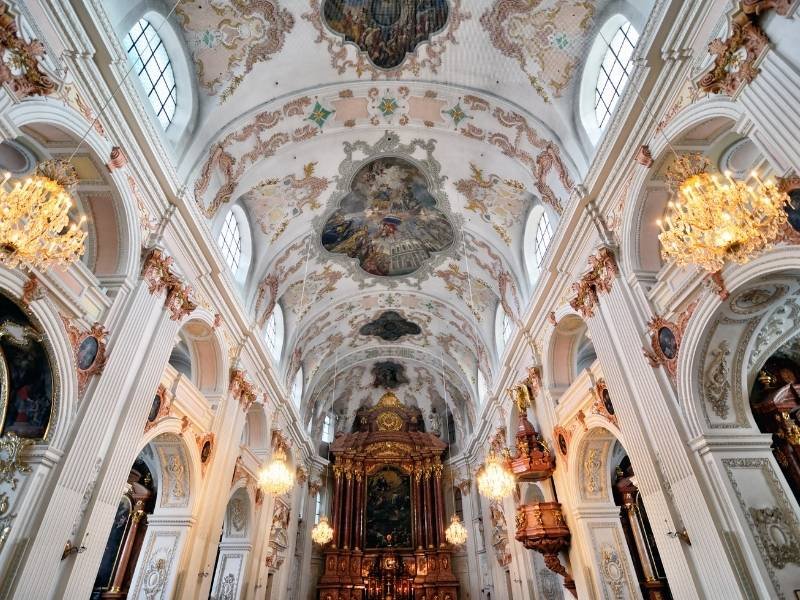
(665, 340)
(388, 221)
(159, 408)
(390, 326)
(89, 350)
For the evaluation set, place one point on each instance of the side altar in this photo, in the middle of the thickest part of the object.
(388, 511)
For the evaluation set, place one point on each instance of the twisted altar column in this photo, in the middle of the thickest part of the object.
(439, 497)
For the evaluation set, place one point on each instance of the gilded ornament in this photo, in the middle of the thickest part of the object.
(11, 461)
(389, 421)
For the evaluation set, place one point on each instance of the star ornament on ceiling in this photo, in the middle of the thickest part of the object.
(319, 115)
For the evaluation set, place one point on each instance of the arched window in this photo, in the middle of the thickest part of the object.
(230, 241)
(150, 60)
(297, 387)
(544, 233)
(483, 388)
(503, 327)
(614, 71)
(317, 507)
(327, 429)
(273, 333)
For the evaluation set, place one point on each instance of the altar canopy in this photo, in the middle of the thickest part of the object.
(388, 510)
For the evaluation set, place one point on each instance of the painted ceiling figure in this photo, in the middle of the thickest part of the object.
(386, 30)
(390, 326)
(389, 375)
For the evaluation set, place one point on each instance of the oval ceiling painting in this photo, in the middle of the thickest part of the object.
(388, 220)
(386, 30)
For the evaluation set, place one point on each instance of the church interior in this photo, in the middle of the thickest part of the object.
(400, 299)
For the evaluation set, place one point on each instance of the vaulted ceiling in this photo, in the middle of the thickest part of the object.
(387, 154)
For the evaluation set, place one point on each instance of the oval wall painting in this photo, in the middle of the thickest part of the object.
(667, 343)
(87, 352)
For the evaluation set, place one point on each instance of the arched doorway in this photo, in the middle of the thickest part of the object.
(638, 532)
(775, 401)
(126, 536)
(234, 548)
(143, 550)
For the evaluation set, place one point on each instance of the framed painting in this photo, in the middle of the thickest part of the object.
(388, 514)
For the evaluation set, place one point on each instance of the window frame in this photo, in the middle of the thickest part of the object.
(229, 241)
(607, 72)
(149, 34)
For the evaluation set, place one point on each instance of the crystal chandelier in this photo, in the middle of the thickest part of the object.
(322, 532)
(714, 220)
(456, 533)
(495, 479)
(276, 478)
(35, 230)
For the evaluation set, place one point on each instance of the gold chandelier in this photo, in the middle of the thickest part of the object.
(35, 229)
(456, 533)
(276, 478)
(714, 221)
(322, 532)
(495, 479)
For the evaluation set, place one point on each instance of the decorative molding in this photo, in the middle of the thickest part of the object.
(776, 529)
(602, 272)
(90, 356)
(735, 56)
(665, 340)
(242, 390)
(20, 70)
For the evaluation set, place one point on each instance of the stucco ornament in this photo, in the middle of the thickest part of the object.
(229, 37)
(717, 384)
(546, 38)
(19, 61)
(612, 569)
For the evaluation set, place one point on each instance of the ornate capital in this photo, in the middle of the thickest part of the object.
(157, 272)
(602, 271)
(242, 390)
(19, 61)
(758, 7)
(736, 55)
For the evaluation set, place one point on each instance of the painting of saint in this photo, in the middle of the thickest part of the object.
(386, 30)
(27, 383)
(388, 516)
(389, 220)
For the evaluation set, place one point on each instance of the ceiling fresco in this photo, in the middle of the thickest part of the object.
(386, 30)
(390, 326)
(388, 221)
(387, 154)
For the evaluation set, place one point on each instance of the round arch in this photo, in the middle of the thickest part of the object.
(39, 112)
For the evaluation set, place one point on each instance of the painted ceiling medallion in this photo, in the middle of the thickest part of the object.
(386, 30)
(393, 37)
(389, 374)
(389, 220)
(390, 326)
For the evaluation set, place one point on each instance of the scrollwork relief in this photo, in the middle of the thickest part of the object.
(717, 383)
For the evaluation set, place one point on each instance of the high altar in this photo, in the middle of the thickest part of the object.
(388, 511)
